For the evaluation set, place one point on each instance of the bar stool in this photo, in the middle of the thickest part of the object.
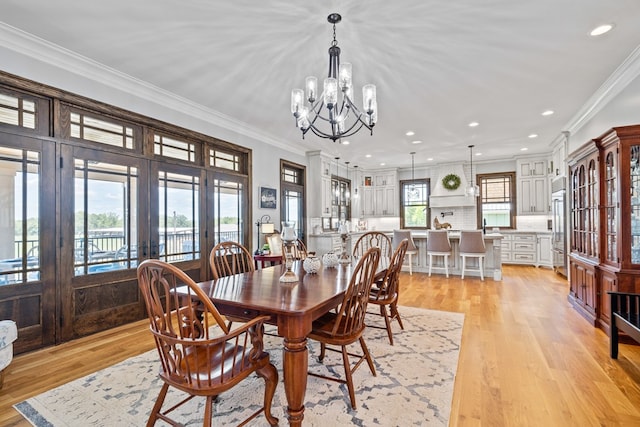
(472, 246)
(398, 237)
(438, 245)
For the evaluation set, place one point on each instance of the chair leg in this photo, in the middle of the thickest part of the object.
(384, 313)
(464, 264)
(430, 263)
(410, 264)
(323, 351)
(153, 417)
(270, 375)
(446, 265)
(395, 314)
(208, 412)
(367, 355)
(348, 376)
(481, 264)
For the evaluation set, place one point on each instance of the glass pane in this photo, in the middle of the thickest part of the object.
(179, 221)
(414, 216)
(19, 216)
(635, 204)
(106, 216)
(293, 210)
(229, 211)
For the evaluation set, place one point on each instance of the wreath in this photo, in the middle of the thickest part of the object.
(451, 181)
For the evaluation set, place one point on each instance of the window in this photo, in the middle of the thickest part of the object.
(496, 207)
(292, 185)
(174, 148)
(414, 203)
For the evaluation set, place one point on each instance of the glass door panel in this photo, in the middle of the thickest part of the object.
(229, 218)
(635, 203)
(106, 217)
(178, 217)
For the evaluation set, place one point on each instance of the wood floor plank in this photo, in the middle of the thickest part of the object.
(527, 357)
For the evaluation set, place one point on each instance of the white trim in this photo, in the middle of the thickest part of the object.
(42, 50)
(628, 71)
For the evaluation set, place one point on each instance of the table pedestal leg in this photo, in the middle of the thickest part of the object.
(296, 363)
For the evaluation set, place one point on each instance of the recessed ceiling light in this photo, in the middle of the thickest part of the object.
(367, 155)
(533, 135)
(524, 149)
(410, 133)
(602, 29)
(473, 124)
(345, 143)
(416, 142)
(478, 154)
(430, 159)
(547, 112)
(382, 164)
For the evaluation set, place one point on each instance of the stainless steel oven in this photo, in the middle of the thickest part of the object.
(559, 225)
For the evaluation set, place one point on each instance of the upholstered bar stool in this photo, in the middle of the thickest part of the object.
(472, 246)
(438, 244)
(398, 237)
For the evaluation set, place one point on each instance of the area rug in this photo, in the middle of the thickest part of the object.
(413, 386)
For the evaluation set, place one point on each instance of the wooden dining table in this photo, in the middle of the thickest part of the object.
(292, 307)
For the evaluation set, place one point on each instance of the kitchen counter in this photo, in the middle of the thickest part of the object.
(326, 242)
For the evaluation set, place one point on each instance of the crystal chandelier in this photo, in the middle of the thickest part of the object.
(473, 190)
(341, 117)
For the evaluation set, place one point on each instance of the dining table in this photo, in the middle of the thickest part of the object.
(291, 307)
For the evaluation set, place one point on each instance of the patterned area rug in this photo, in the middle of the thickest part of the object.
(413, 386)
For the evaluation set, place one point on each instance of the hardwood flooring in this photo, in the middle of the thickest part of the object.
(527, 357)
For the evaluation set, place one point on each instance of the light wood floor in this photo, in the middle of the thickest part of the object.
(527, 358)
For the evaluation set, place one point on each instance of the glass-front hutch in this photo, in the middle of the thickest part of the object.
(614, 263)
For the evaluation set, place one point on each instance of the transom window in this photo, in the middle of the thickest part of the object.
(497, 200)
(17, 111)
(90, 128)
(224, 160)
(174, 148)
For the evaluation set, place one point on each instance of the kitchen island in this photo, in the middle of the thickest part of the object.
(325, 242)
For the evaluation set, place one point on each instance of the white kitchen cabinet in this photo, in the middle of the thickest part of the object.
(533, 196)
(532, 167)
(367, 202)
(532, 181)
(385, 193)
(545, 252)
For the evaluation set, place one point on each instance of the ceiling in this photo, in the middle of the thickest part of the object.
(438, 65)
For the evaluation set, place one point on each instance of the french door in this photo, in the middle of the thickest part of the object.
(103, 227)
(28, 243)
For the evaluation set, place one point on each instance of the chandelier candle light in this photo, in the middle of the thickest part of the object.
(289, 238)
(334, 124)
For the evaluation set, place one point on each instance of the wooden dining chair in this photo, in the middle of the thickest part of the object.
(373, 239)
(299, 250)
(199, 354)
(345, 325)
(385, 291)
(229, 258)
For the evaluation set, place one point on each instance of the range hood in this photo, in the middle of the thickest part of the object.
(443, 198)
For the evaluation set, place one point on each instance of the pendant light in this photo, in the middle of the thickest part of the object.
(413, 193)
(337, 190)
(348, 193)
(473, 190)
(355, 190)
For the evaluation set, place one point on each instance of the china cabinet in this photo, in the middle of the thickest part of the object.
(605, 221)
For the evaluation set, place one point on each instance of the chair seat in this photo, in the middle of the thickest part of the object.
(322, 331)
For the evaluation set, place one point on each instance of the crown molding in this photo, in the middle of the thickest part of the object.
(44, 51)
(626, 72)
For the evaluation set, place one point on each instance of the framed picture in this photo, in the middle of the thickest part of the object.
(268, 198)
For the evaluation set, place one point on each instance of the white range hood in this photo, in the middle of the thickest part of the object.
(443, 198)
